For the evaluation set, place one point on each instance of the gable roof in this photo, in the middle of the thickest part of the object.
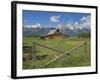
(51, 32)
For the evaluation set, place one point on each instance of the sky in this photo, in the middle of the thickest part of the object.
(52, 19)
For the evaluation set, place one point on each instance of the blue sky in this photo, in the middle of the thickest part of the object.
(52, 19)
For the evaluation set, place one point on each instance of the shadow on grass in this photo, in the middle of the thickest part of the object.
(38, 57)
(27, 49)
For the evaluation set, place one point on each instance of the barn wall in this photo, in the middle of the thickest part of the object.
(55, 36)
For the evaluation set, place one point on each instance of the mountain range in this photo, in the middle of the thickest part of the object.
(65, 29)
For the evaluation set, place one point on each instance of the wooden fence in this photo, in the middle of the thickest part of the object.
(34, 57)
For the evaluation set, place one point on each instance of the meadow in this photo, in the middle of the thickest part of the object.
(77, 58)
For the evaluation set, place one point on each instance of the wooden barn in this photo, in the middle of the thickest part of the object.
(53, 34)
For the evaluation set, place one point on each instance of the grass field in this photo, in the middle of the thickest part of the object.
(77, 58)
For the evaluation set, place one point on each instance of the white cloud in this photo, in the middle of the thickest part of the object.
(83, 18)
(76, 23)
(72, 28)
(54, 19)
(85, 22)
(34, 25)
(77, 26)
(28, 26)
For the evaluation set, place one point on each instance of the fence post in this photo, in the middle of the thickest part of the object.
(33, 51)
(85, 47)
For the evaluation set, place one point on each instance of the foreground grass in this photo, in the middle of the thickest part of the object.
(77, 58)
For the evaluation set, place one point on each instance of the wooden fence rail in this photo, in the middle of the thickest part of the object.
(49, 47)
(64, 53)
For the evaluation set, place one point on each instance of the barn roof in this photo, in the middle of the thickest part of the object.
(51, 32)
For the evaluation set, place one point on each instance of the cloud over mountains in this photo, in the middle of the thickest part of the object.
(33, 26)
(54, 19)
(85, 22)
(75, 28)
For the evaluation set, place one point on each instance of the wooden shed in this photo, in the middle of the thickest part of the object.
(53, 34)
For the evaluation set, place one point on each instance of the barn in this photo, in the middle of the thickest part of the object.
(53, 34)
